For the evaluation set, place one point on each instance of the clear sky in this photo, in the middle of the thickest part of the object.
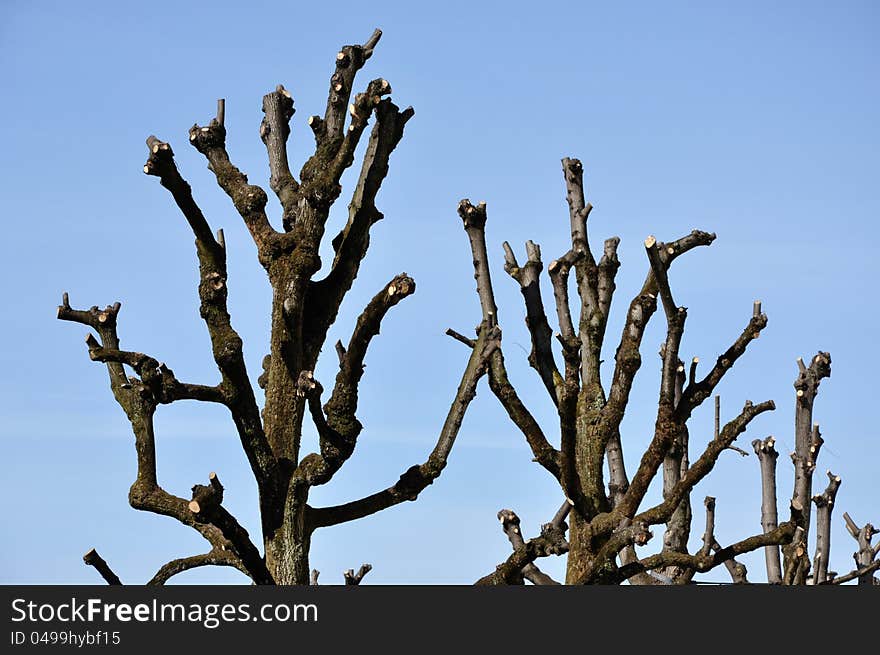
(757, 121)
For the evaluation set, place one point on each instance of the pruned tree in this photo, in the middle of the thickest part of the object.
(304, 306)
(605, 515)
(607, 509)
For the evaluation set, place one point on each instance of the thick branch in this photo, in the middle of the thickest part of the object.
(342, 427)
(591, 322)
(659, 271)
(702, 564)
(824, 505)
(350, 245)
(361, 110)
(627, 358)
(697, 471)
(474, 220)
(738, 571)
(608, 265)
(274, 131)
(249, 199)
(767, 456)
(806, 433)
(418, 477)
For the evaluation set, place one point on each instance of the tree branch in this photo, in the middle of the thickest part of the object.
(474, 219)
(415, 479)
(349, 61)
(342, 427)
(213, 558)
(461, 338)
(675, 465)
(510, 524)
(627, 358)
(206, 507)
(856, 573)
(226, 344)
(352, 578)
(528, 277)
(139, 405)
(559, 270)
(350, 245)
(551, 542)
(697, 471)
(591, 321)
(696, 392)
(274, 132)
(807, 437)
(249, 199)
(702, 564)
(93, 559)
(157, 377)
(767, 456)
(602, 570)
(824, 505)
(866, 553)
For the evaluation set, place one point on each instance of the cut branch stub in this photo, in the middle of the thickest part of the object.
(204, 138)
(809, 377)
(206, 498)
(472, 216)
(93, 317)
(306, 383)
(93, 559)
(510, 525)
(160, 154)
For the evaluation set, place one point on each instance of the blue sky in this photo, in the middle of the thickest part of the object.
(756, 122)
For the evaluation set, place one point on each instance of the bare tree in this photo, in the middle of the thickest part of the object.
(303, 309)
(608, 519)
(600, 523)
